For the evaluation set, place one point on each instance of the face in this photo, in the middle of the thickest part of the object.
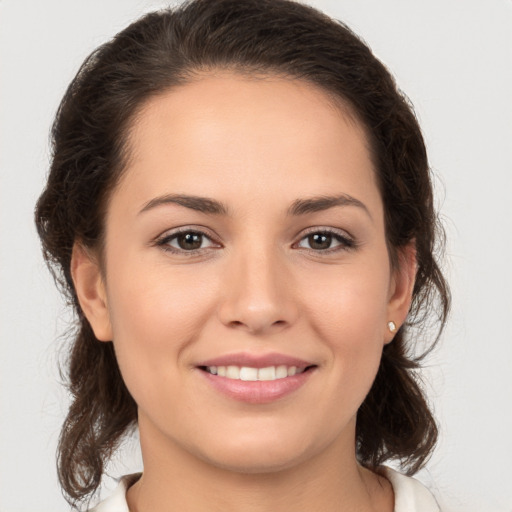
(247, 284)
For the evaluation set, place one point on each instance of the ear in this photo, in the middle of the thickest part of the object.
(90, 291)
(401, 287)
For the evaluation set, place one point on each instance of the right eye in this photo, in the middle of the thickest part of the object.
(186, 241)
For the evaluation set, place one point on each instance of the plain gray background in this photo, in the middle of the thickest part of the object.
(454, 60)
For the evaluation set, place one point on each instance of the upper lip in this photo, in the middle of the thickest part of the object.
(256, 360)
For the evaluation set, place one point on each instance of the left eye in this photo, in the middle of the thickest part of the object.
(323, 240)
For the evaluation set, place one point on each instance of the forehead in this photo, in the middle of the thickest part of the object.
(228, 134)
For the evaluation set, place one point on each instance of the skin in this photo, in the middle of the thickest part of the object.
(255, 285)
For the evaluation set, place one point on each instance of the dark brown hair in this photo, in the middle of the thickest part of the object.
(170, 47)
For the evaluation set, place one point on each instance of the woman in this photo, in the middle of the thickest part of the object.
(240, 210)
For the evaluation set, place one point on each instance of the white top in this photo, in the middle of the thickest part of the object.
(410, 494)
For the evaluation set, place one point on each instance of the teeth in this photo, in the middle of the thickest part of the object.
(267, 373)
(247, 373)
(281, 372)
(233, 372)
(253, 374)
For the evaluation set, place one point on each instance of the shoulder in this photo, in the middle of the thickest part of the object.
(116, 502)
(410, 494)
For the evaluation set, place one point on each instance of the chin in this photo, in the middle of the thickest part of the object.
(253, 463)
(253, 453)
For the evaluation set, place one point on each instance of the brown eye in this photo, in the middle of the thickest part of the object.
(186, 242)
(320, 241)
(189, 241)
(327, 241)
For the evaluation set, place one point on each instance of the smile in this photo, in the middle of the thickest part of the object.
(247, 373)
(256, 378)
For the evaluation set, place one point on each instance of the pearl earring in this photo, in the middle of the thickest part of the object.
(392, 326)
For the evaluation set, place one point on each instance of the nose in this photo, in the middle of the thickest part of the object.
(259, 295)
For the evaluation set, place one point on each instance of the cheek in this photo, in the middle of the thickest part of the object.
(348, 310)
(152, 297)
(349, 305)
(155, 315)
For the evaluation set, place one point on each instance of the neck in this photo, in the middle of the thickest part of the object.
(332, 481)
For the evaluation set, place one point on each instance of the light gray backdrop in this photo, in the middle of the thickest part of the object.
(453, 58)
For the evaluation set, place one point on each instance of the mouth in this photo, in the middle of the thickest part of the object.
(252, 374)
(256, 379)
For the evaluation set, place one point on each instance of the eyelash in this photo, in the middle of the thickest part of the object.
(345, 242)
(164, 241)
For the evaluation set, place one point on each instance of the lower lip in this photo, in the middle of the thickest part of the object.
(257, 392)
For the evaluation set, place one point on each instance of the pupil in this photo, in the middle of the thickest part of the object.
(189, 241)
(320, 241)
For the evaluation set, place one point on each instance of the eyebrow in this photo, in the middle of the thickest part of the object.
(200, 204)
(214, 207)
(320, 203)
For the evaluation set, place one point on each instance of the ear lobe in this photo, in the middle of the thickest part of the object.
(401, 287)
(90, 291)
